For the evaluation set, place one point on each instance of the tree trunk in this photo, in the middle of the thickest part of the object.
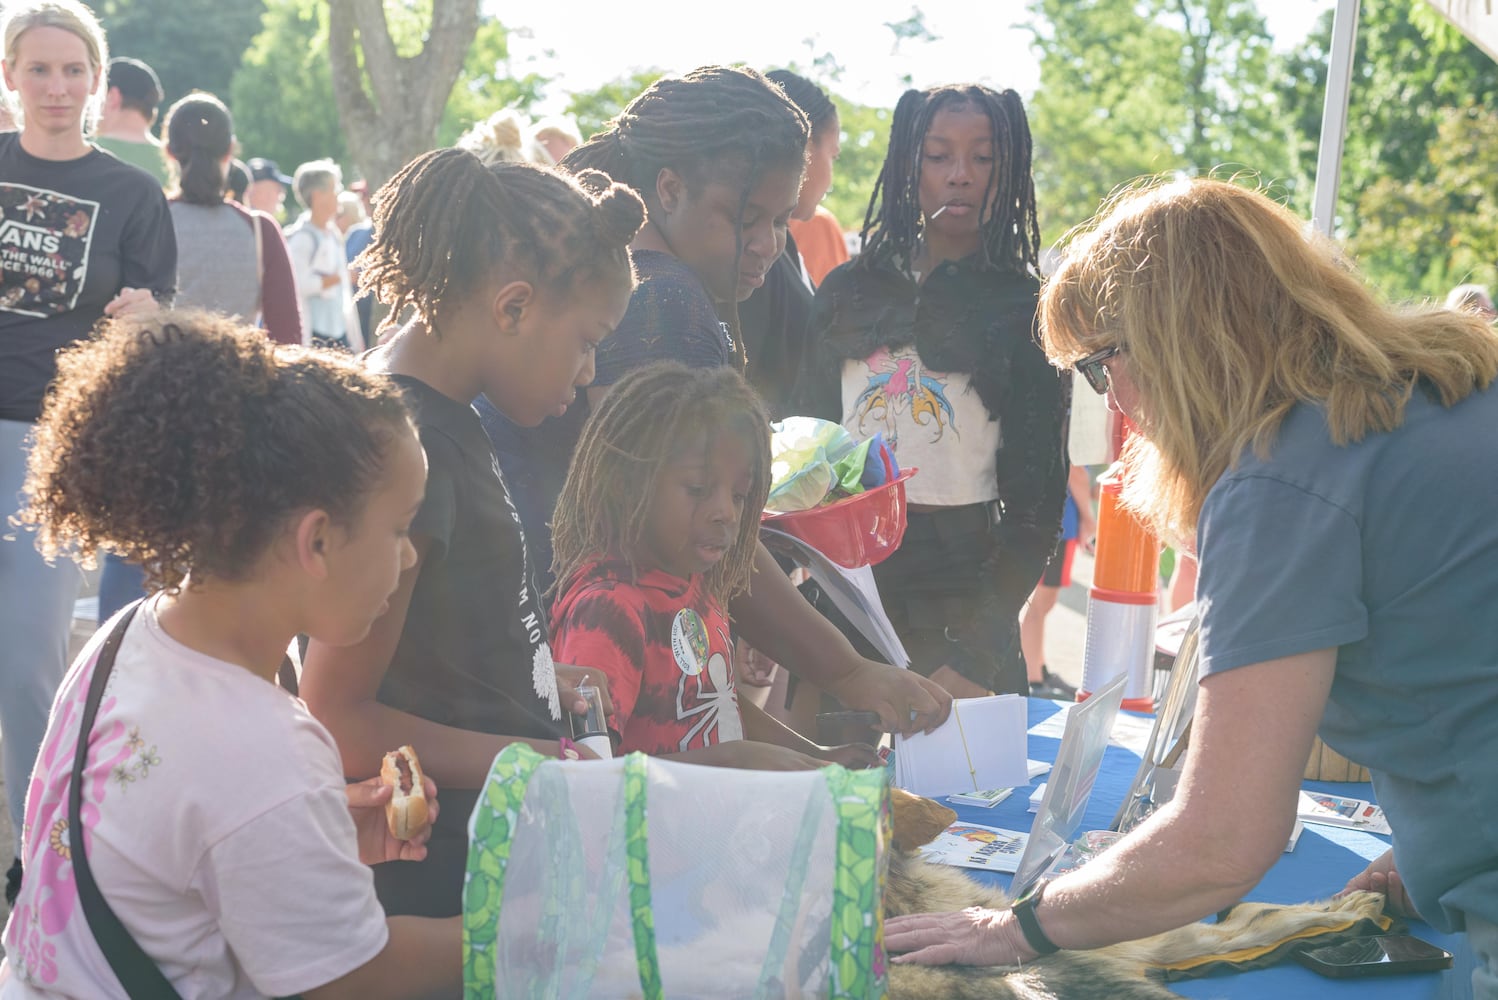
(391, 106)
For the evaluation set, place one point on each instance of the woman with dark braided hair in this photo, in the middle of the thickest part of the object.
(928, 338)
(513, 274)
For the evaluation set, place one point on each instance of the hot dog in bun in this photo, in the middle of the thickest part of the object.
(406, 812)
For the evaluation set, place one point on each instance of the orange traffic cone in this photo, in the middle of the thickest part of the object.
(1123, 605)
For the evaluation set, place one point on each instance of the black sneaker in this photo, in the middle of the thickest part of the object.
(12, 882)
(1052, 687)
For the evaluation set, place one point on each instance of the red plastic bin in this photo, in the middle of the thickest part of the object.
(860, 530)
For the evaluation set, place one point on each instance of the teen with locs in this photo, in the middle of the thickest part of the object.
(515, 274)
(718, 189)
(928, 337)
(88, 236)
(215, 816)
(655, 533)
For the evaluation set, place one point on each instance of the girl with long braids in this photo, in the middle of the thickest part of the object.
(928, 337)
(514, 275)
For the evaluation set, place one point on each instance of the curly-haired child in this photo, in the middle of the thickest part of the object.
(655, 531)
(268, 491)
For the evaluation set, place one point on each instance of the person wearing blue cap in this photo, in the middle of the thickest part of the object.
(267, 187)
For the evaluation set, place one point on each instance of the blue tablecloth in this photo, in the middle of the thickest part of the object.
(1322, 862)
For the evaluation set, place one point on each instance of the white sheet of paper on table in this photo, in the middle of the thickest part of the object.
(1036, 797)
(980, 746)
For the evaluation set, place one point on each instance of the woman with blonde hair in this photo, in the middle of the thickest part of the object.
(505, 137)
(86, 236)
(1333, 458)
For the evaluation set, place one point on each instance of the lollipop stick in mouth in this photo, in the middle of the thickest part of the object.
(938, 212)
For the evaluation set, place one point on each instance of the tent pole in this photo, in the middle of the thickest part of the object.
(1334, 117)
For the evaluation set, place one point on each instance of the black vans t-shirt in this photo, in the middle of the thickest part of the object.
(72, 234)
(474, 651)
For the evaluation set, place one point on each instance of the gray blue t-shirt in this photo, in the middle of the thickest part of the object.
(1388, 550)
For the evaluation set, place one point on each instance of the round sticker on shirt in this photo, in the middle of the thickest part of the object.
(689, 642)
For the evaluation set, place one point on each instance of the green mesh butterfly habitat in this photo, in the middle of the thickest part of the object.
(643, 878)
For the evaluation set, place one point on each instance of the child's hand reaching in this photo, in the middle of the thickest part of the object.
(570, 677)
(856, 756)
(751, 755)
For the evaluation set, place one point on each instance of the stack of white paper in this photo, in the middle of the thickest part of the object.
(980, 746)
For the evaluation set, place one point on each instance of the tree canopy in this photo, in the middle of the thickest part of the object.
(1128, 88)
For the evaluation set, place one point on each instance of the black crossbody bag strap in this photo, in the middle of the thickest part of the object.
(136, 971)
(140, 976)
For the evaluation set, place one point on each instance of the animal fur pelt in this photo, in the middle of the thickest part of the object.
(1119, 972)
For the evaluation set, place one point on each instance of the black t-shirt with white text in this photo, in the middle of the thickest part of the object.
(72, 234)
(474, 651)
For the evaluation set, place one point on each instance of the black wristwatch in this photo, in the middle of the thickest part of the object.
(1024, 911)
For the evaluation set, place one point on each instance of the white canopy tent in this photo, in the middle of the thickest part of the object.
(1474, 18)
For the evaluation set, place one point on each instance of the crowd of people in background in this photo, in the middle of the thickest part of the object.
(436, 456)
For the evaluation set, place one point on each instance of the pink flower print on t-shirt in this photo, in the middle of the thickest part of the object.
(49, 895)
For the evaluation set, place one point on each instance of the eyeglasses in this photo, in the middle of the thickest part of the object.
(1094, 371)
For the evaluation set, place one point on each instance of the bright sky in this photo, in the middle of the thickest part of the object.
(584, 43)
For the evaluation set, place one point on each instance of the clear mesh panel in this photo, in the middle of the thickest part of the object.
(741, 883)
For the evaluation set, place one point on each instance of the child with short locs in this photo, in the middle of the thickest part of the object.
(655, 531)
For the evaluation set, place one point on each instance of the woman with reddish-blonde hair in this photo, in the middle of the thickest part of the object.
(1333, 457)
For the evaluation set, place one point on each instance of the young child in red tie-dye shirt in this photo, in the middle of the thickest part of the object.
(653, 533)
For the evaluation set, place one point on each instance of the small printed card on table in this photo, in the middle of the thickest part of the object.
(972, 845)
(993, 796)
(1340, 810)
